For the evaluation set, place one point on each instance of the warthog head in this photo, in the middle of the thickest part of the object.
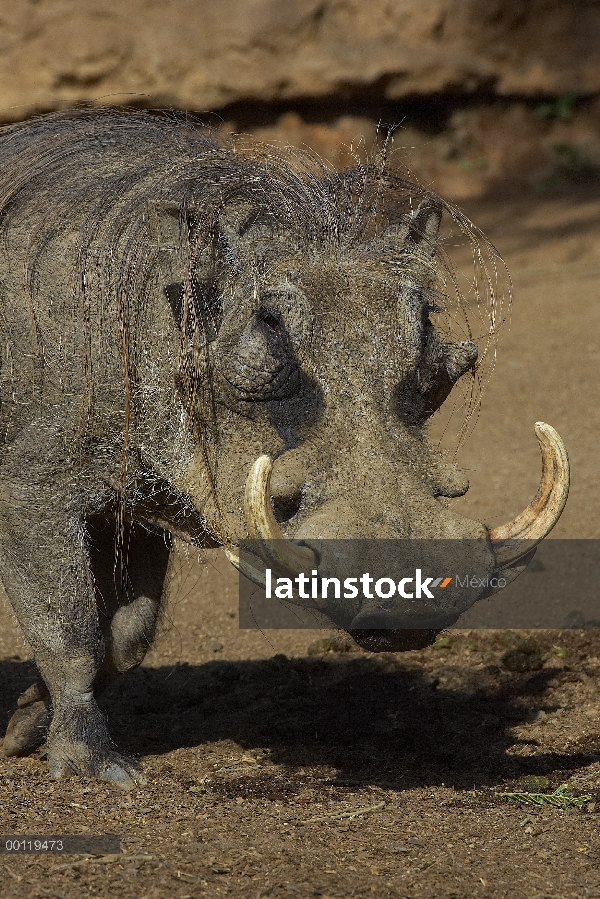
(325, 366)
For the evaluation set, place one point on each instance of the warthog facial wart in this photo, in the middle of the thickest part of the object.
(216, 341)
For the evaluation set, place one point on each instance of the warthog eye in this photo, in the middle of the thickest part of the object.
(272, 322)
(430, 308)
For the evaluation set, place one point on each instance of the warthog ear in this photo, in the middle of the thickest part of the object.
(424, 226)
(419, 230)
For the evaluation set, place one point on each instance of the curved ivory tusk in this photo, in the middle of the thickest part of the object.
(512, 541)
(275, 548)
(257, 577)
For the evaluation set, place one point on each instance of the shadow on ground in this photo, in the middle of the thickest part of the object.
(374, 720)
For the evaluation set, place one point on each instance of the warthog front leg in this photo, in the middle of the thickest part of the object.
(127, 633)
(45, 565)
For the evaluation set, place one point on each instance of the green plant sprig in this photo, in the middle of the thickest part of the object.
(562, 797)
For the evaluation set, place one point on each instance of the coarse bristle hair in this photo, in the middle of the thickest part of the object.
(100, 168)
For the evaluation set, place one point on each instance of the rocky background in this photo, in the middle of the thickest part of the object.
(486, 94)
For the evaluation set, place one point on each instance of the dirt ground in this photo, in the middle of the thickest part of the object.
(280, 765)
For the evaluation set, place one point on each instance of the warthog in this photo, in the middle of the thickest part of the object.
(177, 313)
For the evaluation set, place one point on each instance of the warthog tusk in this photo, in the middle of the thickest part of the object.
(244, 567)
(512, 541)
(275, 548)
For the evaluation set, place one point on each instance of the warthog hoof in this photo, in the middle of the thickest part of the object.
(79, 744)
(112, 768)
(27, 729)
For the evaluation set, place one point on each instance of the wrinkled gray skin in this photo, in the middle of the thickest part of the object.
(171, 310)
